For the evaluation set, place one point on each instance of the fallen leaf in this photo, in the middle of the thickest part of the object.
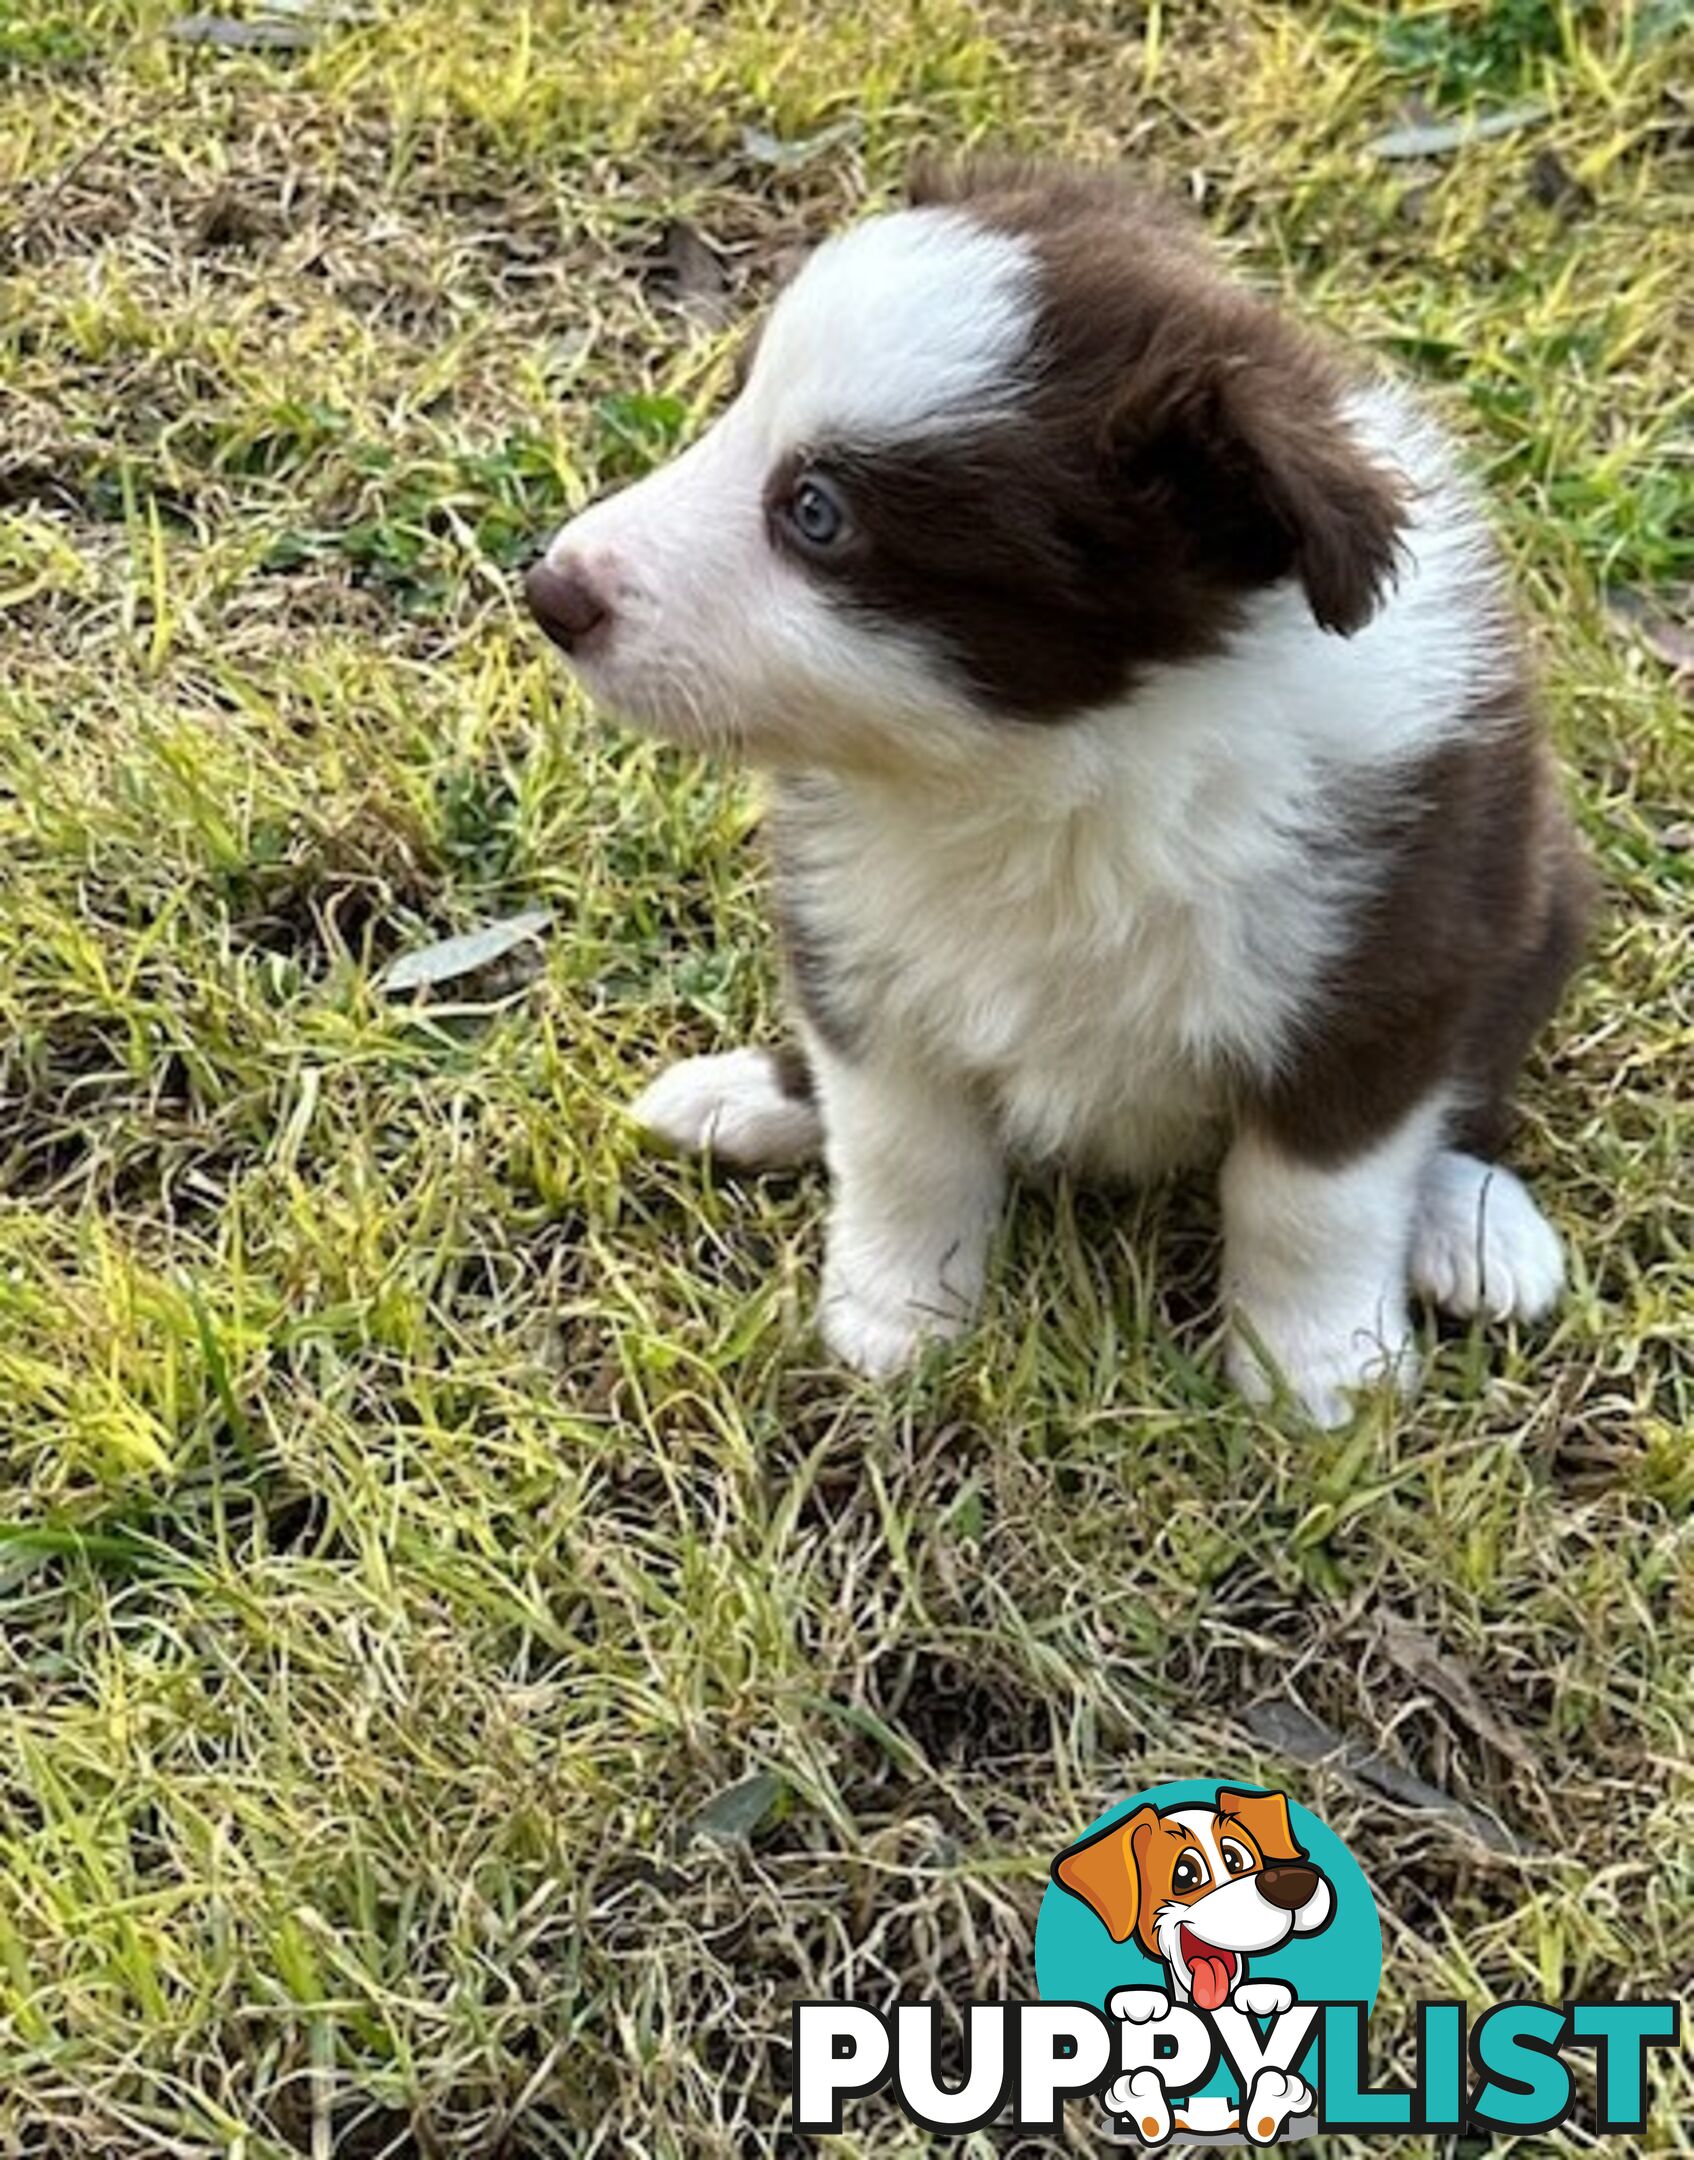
(468, 954)
(731, 1817)
(788, 156)
(1440, 138)
(1292, 1730)
(1425, 1661)
(266, 33)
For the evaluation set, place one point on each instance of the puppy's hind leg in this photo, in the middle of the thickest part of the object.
(753, 1109)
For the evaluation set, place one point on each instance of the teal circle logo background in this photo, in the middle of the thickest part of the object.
(1077, 1961)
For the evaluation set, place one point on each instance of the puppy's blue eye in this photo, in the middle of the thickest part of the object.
(817, 512)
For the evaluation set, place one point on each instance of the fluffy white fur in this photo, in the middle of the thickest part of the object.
(1076, 939)
(918, 1177)
(1315, 1266)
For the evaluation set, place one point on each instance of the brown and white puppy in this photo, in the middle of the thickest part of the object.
(1154, 772)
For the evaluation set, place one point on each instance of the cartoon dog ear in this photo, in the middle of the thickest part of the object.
(1265, 1818)
(1105, 1871)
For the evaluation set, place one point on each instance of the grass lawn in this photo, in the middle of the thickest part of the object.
(468, 1665)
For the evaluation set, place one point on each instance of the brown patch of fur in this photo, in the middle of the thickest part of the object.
(1458, 956)
(793, 1074)
(1043, 192)
(1218, 418)
(1176, 448)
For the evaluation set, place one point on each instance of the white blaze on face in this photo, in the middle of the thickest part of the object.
(900, 328)
(895, 327)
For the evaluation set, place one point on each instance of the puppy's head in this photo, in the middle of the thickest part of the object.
(1200, 1888)
(995, 455)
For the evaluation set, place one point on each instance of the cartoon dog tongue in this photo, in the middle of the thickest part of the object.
(1209, 1972)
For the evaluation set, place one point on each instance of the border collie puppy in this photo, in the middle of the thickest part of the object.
(1155, 776)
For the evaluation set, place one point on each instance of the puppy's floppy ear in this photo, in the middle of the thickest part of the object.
(1105, 1871)
(1235, 428)
(1265, 1818)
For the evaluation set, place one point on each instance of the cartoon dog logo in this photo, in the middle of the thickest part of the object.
(1202, 1889)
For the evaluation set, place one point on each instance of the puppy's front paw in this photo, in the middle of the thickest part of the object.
(1139, 2097)
(1322, 1363)
(1139, 2005)
(1263, 1998)
(732, 1106)
(879, 1336)
(1481, 1246)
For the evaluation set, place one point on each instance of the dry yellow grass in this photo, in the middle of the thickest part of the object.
(419, 1510)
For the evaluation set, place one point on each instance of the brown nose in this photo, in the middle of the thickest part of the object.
(565, 602)
(1288, 1888)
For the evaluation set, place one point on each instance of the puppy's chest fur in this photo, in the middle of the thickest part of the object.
(1105, 953)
